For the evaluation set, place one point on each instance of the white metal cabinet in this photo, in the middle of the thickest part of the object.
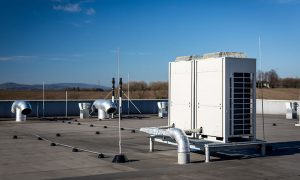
(209, 97)
(180, 94)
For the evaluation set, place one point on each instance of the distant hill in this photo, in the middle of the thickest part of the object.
(56, 86)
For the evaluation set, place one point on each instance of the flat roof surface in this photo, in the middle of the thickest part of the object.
(29, 158)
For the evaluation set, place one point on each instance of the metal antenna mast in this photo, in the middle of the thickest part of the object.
(120, 115)
(261, 86)
(118, 62)
(120, 158)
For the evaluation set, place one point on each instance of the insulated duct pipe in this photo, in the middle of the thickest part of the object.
(104, 107)
(183, 145)
(21, 109)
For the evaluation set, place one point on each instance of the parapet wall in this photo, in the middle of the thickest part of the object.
(146, 106)
(276, 107)
(58, 107)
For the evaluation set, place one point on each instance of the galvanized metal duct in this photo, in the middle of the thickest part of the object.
(106, 105)
(183, 145)
(21, 109)
(24, 106)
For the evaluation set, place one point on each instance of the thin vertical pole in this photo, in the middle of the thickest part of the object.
(299, 105)
(113, 94)
(43, 99)
(37, 109)
(128, 95)
(298, 108)
(118, 61)
(262, 93)
(66, 104)
(120, 114)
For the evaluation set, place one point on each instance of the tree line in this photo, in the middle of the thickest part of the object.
(271, 79)
(137, 90)
(143, 86)
(266, 79)
(83, 89)
(152, 90)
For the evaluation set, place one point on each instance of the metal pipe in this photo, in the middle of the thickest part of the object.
(43, 99)
(207, 153)
(113, 89)
(102, 114)
(21, 109)
(151, 141)
(120, 115)
(104, 105)
(128, 96)
(263, 149)
(66, 104)
(113, 94)
(120, 97)
(183, 145)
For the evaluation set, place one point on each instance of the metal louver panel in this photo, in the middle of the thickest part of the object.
(241, 106)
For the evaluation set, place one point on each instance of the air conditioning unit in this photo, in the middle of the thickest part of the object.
(214, 95)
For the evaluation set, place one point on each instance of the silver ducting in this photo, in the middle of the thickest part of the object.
(183, 145)
(104, 107)
(84, 110)
(21, 109)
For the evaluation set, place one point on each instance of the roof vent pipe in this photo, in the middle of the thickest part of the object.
(104, 107)
(183, 145)
(21, 109)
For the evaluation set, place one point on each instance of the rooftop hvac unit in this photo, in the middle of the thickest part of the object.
(214, 96)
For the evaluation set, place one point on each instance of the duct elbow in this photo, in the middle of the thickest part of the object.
(105, 105)
(183, 144)
(22, 106)
(181, 139)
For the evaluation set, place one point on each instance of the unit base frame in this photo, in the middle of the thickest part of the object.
(208, 147)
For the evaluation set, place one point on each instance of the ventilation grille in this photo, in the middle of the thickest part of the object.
(241, 103)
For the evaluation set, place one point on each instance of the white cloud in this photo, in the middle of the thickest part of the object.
(5, 58)
(41, 58)
(57, 59)
(74, 7)
(68, 7)
(25, 57)
(90, 11)
(13, 58)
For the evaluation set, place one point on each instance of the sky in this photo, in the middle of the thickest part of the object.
(76, 41)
